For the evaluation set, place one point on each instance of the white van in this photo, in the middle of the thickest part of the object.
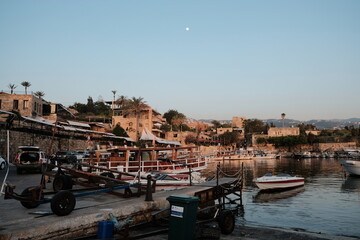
(30, 158)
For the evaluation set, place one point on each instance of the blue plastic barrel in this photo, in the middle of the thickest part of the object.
(105, 230)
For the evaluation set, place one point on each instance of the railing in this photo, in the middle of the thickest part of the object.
(149, 165)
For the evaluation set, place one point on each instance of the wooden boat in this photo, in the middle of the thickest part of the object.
(264, 155)
(280, 181)
(132, 160)
(352, 167)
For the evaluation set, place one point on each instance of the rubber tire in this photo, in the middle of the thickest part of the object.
(2, 166)
(226, 222)
(28, 205)
(18, 171)
(107, 174)
(62, 182)
(63, 203)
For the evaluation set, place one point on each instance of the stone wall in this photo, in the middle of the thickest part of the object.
(46, 142)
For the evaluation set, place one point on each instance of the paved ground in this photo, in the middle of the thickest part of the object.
(15, 217)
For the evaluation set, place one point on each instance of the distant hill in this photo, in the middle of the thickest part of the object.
(320, 124)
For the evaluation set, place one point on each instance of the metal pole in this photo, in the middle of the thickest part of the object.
(8, 146)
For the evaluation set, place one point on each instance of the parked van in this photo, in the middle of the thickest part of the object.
(30, 158)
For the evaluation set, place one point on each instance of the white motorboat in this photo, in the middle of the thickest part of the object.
(351, 166)
(280, 181)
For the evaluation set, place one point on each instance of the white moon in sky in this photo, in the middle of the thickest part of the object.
(187, 29)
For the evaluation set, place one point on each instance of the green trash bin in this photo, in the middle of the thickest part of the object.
(183, 211)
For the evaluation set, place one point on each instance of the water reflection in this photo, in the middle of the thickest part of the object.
(265, 197)
(327, 203)
(351, 184)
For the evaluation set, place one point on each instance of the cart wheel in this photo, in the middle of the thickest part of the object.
(226, 221)
(107, 174)
(63, 203)
(62, 182)
(32, 204)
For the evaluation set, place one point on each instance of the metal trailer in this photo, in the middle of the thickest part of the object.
(64, 197)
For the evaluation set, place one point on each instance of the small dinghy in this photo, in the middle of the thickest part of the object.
(280, 181)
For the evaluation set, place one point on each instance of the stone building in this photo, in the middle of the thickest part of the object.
(148, 118)
(283, 131)
(27, 105)
(238, 122)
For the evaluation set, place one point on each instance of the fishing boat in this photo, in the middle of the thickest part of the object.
(264, 155)
(132, 160)
(280, 181)
(352, 167)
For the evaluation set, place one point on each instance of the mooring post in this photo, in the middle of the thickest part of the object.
(217, 174)
(242, 182)
(190, 175)
(149, 191)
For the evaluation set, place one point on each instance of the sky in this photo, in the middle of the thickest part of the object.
(206, 59)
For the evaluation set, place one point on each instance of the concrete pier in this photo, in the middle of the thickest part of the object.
(41, 223)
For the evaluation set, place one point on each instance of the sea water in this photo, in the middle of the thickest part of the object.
(328, 203)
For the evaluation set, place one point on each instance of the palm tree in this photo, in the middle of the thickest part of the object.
(283, 118)
(136, 105)
(12, 88)
(113, 107)
(26, 85)
(39, 94)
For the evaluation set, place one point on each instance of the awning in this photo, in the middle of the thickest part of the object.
(148, 136)
(78, 124)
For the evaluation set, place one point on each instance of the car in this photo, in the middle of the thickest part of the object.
(64, 157)
(2, 163)
(30, 158)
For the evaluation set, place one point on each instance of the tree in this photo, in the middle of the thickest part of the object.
(119, 131)
(216, 123)
(136, 105)
(12, 88)
(230, 137)
(39, 94)
(26, 85)
(283, 118)
(90, 105)
(114, 93)
(254, 126)
(169, 115)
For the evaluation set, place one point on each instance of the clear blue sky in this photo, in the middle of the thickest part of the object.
(251, 58)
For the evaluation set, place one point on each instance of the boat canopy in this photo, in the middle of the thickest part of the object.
(148, 136)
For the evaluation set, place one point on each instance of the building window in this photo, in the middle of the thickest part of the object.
(0, 103)
(26, 104)
(175, 135)
(16, 104)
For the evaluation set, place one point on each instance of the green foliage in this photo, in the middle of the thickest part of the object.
(229, 137)
(173, 114)
(254, 126)
(119, 131)
(261, 140)
(226, 125)
(287, 141)
(216, 123)
(97, 108)
(165, 127)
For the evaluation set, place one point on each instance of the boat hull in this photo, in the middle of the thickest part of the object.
(352, 167)
(269, 183)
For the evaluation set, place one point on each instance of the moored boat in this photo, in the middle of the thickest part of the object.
(280, 181)
(351, 166)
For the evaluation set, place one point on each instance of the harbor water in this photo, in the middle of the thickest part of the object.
(328, 203)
